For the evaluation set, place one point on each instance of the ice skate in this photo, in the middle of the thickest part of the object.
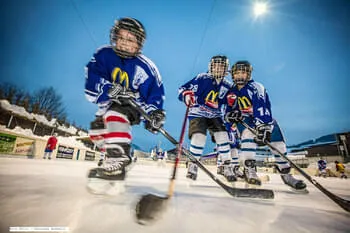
(220, 170)
(229, 173)
(108, 179)
(192, 171)
(238, 172)
(282, 167)
(250, 173)
(295, 184)
(288, 179)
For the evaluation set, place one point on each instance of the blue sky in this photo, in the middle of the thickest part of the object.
(300, 51)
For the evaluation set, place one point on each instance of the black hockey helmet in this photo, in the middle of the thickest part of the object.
(218, 66)
(243, 66)
(136, 28)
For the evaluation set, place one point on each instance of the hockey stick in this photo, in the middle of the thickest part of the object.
(150, 205)
(235, 192)
(345, 204)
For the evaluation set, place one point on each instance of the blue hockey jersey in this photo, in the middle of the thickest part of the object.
(209, 96)
(254, 103)
(138, 74)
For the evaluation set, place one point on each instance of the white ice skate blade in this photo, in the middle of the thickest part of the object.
(105, 187)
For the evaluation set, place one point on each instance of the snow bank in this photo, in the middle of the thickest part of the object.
(39, 118)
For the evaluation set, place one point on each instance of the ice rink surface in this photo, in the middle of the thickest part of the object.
(52, 193)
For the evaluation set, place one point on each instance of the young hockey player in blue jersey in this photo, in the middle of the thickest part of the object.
(322, 168)
(114, 74)
(205, 95)
(254, 106)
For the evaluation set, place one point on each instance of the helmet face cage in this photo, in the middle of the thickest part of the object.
(218, 66)
(241, 66)
(132, 42)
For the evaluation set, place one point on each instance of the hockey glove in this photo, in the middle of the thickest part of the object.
(117, 92)
(234, 116)
(157, 121)
(263, 133)
(189, 98)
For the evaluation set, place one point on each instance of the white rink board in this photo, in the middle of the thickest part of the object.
(42, 193)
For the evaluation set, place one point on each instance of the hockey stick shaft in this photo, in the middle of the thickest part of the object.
(179, 152)
(253, 193)
(345, 204)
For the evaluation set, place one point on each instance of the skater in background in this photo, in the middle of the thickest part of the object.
(161, 158)
(255, 109)
(50, 146)
(339, 167)
(322, 168)
(114, 74)
(205, 95)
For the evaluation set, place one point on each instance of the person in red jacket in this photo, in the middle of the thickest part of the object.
(50, 146)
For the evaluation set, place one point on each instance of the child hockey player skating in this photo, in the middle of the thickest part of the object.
(114, 74)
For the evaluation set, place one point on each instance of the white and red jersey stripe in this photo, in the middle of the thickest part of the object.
(118, 130)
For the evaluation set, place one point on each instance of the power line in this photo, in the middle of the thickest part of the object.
(83, 22)
(203, 36)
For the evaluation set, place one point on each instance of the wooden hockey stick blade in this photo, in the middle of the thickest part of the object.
(150, 207)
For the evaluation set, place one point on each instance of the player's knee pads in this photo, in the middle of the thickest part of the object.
(247, 135)
(118, 128)
(197, 144)
(248, 145)
(96, 132)
(234, 153)
(198, 139)
(223, 145)
(221, 137)
(116, 122)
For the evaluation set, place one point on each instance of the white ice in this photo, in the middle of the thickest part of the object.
(36, 192)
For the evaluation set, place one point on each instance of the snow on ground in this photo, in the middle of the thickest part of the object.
(52, 193)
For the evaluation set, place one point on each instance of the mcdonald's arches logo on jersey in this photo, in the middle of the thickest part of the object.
(120, 76)
(211, 99)
(244, 104)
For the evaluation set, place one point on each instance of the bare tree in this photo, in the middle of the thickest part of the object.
(49, 103)
(45, 101)
(10, 92)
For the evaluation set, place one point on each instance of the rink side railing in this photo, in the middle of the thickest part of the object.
(13, 144)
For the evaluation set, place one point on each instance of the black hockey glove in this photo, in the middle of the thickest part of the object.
(157, 121)
(117, 92)
(263, 133)
(234, 116)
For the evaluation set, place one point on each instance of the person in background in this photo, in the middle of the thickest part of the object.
(50, 146)
(322, 166)
(341, 169)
